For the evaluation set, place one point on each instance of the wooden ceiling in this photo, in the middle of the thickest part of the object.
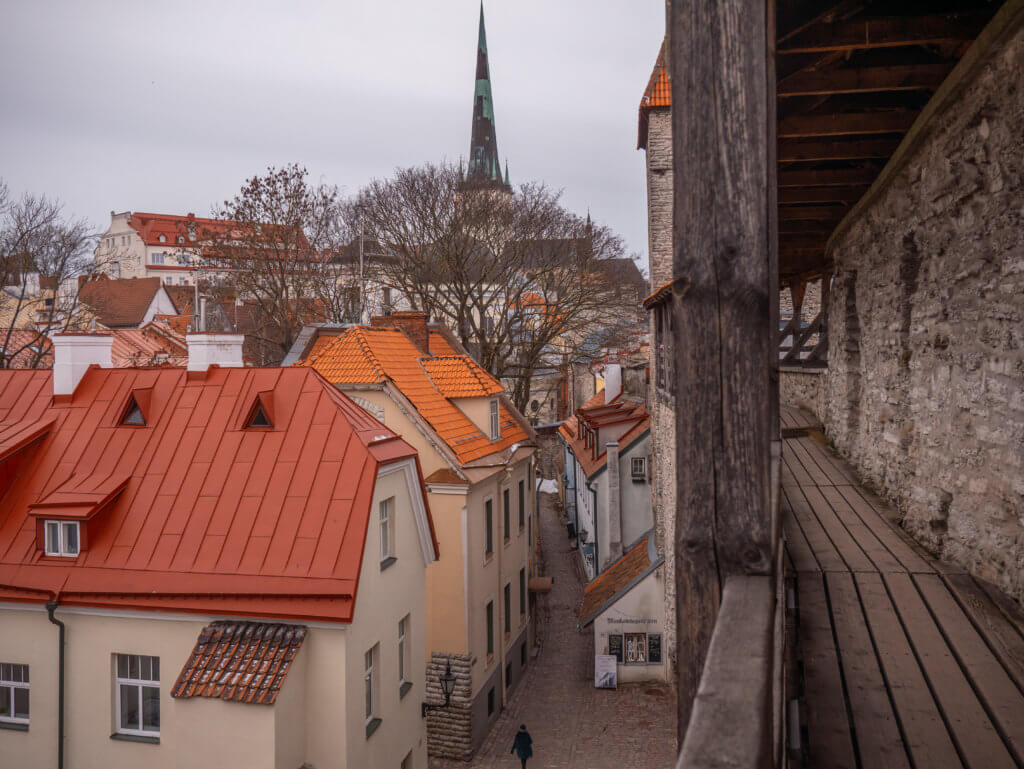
(852, 78)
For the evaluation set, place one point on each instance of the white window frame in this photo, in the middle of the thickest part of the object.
(495, 414)
(641, 473)
(158, 257)
(60, 548)
(403, 649)
(7, 681)
(387, 529)
(139, 683)
(369, 684)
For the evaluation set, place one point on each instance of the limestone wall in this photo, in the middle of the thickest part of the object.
(803, 387)
(925, 386)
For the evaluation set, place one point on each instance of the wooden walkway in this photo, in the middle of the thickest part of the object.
(905, 661)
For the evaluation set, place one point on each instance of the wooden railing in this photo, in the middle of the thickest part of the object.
(803, 341)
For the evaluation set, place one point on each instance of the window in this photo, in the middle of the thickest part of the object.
(62, 538)
(490, 702)
(387, 300)
(506, 503)
(181, 240)
(115, 270)
(490, 628)
(14, 694)
(508, 608)
(638, 466)
(163, 238)
(636, 648)
(522, 591)
(495, 420)
(522, 505)
(157, 257)
(403, 656)
(387, 528)
(138, 695)
(488, 529)
(522, 654)
(258, 416)
(372, 659)
(124, 240)
(508, 675)
(133, 414)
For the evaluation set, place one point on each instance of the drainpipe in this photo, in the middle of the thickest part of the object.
(51, 607)
(614, 503)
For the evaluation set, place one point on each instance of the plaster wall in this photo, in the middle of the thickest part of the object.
(641, 610)
(925, 386)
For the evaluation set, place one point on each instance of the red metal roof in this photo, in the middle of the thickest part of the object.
(211, 517)
(657, 95)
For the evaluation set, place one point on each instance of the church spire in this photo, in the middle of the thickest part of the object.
(484, 166)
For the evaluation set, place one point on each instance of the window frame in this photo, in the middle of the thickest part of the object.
(139, 684)
(488, 529)
(508, 609)
(494, 413)
(489, 614)
(386, 530)
(641, 475)
(158, 257)
(522, 504)
(522, 594)
(506, 512)
(7, 682)
(370, 684)
(59, 551)
(403, 650)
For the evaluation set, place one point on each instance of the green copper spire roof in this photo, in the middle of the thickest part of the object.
(484, 167)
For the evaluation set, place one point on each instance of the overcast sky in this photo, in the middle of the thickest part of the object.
(169, 106)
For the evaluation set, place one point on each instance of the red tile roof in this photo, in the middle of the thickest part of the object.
(657, 95)
(594, 414)
(658, 296)
(379, 354)
(119, 303)
(617, 579)
(213, 518)
(151, 226)
(240, 661)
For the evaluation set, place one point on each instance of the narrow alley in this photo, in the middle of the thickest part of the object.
(574, 725)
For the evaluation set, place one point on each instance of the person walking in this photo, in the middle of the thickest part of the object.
(523, 745)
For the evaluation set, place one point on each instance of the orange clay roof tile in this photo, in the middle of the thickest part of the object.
(613, 582)
(595, 413)
(658, 94)
(380, 354)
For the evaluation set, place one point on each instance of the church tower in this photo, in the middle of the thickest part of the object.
(484, 167)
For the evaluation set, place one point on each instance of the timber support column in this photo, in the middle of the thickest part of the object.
(725, 268)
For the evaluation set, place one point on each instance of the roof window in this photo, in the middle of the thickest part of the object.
(259, 415)
(181, 239)
(132, 415)
(163, 238)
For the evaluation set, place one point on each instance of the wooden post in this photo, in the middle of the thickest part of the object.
(725, 256)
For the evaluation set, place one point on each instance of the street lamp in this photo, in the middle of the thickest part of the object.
(447, 687)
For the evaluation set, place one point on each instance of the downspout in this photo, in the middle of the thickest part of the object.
(51, 607)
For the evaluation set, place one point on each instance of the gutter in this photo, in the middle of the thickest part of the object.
(51, 607)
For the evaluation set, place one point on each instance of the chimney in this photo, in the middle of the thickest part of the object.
(412, 323)
(612, 381)
(213, 349)
(614, 502)
(73, 354)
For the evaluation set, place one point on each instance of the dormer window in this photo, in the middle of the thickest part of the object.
(495, 420)
(181, 239)
(133, 415)
(163, 238)
(258, 417)
(62, 538)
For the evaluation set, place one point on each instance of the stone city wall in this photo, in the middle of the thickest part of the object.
(925, 385)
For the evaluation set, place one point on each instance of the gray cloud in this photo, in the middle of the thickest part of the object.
(169, 106)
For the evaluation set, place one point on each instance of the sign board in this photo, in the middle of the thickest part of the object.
(605, 671)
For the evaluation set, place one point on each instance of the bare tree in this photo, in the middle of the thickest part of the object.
(521, 281)
(42, 255)
(272, 256)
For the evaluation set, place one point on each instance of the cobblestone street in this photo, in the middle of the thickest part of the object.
(574, 725)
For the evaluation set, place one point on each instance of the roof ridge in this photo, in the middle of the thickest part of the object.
(371, 356)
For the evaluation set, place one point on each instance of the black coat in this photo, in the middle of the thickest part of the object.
(523, 745)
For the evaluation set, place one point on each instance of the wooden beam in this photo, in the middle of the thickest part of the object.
(885, 33)
(906, 77)
(895, 121)
(822, 213)
(827, 177)
(795, 150)
(798, 195)
(793, 227)
(724, 243)
(805, 240)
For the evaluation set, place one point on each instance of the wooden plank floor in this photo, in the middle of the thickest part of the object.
(906, 661)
